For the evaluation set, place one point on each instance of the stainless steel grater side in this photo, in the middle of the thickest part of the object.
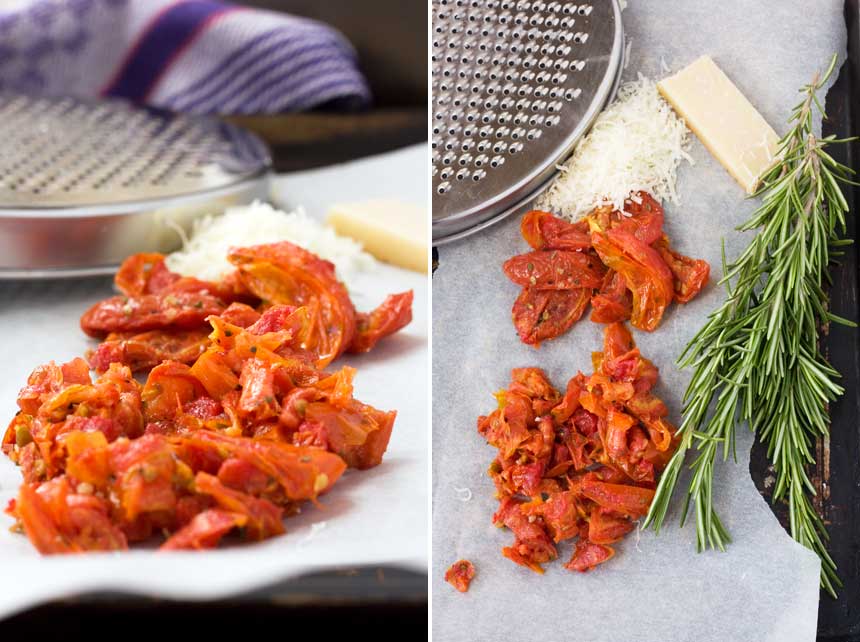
(83, 184)
(516, 83)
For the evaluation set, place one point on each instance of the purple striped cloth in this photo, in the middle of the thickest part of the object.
(195, 56)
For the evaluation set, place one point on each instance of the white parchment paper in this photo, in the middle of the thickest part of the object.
(655, 588)
(371, 517)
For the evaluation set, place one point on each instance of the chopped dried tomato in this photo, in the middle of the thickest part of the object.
(579, 465)
(235, 425)
(619, 260)
(460, 575)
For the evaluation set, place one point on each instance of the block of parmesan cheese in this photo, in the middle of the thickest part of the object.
(723, 119)
(392, 231)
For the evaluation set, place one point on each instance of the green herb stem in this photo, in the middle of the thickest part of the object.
(757, 358)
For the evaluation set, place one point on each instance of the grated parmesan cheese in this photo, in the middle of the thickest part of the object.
(637, 143)
(204, 255)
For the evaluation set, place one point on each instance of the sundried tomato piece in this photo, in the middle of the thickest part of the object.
(205, 530)
(555, 270)
(179, 310)
(264, 518)
(644, 271)
(146, 350)
(57, 519)
(460, 575)
(613, 302)
(606, 527)
(283, 273)
(621, 498)
(690, 275)
(540, 315)
(543, 231)
(587, 555)
(532, 546)
(390, 316)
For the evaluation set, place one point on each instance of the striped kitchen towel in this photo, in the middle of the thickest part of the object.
(195, 56)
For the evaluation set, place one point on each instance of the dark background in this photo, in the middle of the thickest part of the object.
(837, 473)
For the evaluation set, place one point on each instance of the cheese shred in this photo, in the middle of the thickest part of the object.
(637, 143)
(204, 254)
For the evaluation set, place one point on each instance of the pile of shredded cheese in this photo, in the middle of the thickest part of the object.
(204, 255)
(637, 143)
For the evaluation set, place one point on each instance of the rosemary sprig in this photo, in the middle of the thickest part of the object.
(757, 358)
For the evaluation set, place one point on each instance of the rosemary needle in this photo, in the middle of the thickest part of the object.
(757, 358)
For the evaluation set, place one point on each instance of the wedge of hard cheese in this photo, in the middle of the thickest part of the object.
(723, 119)
(391, 231)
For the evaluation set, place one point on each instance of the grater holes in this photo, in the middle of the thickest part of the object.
(478, 175)
(584, 10)
(507, 82)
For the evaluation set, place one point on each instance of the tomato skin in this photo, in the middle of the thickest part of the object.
(178, 311)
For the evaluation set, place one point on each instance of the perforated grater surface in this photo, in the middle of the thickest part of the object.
(516, 83)
(84, 184)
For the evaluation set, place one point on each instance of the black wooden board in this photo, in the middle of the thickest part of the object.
(837, 474)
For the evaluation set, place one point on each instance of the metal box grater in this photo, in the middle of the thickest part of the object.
(83, 184)
(515, 84)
